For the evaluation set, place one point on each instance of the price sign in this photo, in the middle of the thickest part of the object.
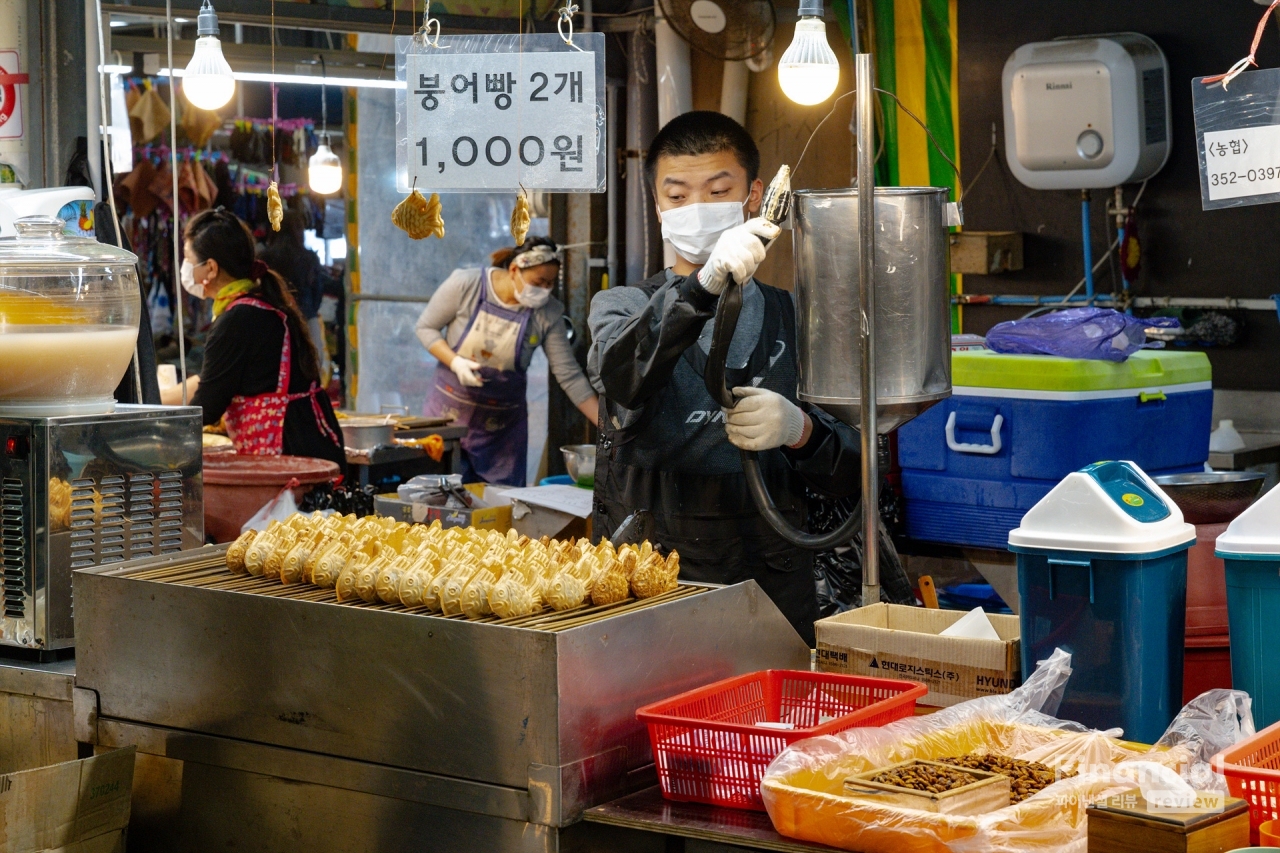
(485, 114)
(1238, 136)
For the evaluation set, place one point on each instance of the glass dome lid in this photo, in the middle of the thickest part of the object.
(41, 242)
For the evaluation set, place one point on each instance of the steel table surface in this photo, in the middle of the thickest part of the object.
(647, 811)
(409, 461)
(1260, 448)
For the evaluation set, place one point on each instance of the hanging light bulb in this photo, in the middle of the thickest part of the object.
(207, 82)
(808, 72)
(324, 169)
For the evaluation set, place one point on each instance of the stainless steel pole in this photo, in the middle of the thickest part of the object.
(864, 77)
(178, 293)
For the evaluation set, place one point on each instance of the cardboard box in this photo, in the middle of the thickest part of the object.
(496, 515)
(74, 807)
(892, 641)
(986, 252)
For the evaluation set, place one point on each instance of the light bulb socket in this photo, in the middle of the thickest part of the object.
(810, 8)
(207, 20)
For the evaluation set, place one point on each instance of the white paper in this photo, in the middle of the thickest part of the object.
(502, 120)
(974, 625)
(1242, 162)
(568, 499)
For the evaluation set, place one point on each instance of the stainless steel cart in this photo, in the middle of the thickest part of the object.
(274, 718)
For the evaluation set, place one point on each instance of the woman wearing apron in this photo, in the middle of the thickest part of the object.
(260, 374)
(483, 326)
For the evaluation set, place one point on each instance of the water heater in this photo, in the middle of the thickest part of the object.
(1086, 113)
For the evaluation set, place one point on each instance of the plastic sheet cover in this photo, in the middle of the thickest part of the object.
(1237, 139)
(804, 787)
(485, 113)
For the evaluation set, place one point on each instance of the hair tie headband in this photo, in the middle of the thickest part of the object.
(536, 256)
(258, 270)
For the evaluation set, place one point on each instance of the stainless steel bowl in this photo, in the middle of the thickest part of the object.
(580, 460)
(1212, 497)
(367, 433)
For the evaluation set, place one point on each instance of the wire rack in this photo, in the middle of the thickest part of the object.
(210, 572)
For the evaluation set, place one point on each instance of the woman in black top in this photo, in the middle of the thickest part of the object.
(271, 405)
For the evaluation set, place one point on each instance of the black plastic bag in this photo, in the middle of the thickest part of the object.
(838, 573)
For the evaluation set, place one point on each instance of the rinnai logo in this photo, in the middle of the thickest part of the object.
(1053, 87)
(703, 417)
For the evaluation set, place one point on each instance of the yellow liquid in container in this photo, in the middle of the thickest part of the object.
(26, 309)
(48, 361)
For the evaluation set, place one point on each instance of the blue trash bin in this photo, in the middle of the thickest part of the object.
(1250, 547)
(1102, 573)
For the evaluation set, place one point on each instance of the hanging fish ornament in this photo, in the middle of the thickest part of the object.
(275, 207)
(520, 218)
(419, 216)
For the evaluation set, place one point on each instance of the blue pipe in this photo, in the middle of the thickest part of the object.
(1046, 301)
(1088, 245)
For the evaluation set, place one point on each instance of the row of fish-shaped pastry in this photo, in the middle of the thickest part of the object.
(452, 571)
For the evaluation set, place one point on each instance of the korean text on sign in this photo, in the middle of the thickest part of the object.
(1242, 162)
(501, 120)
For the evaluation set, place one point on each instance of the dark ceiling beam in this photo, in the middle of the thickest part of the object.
(312, 16)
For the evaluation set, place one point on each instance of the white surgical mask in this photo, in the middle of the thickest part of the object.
(530, 296)
(187, 275)
(693, 230)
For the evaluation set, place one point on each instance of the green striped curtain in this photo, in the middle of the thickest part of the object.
(915, 45)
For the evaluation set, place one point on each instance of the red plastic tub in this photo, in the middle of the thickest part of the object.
(237, 486)
(1252, 769)
(709, 745)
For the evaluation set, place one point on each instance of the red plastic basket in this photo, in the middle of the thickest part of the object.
(708, 745)
(1252, 769)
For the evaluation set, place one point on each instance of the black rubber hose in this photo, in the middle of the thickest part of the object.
(727, 312)
(842, 535)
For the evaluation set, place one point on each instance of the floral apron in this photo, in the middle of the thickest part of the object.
(255, 424)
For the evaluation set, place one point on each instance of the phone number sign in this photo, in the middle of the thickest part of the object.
(498, 121)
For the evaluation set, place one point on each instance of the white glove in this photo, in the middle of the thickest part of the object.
(738, 253)
(763, 420)
(467, 371)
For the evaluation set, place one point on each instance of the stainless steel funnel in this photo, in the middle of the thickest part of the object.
(912, 323)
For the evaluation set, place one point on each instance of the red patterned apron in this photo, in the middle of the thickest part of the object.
(255, 424)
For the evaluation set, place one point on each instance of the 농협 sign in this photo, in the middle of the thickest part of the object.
(486, 121)
(1238, 137)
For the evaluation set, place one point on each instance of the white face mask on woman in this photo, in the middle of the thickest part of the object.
(531, 296)
(693, 230)
(187, 275)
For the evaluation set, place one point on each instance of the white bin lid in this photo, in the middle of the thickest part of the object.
(1256, 531)
(1106, 508)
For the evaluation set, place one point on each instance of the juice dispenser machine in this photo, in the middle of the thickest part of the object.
(83, 481)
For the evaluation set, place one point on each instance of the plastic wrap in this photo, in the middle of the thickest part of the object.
(803, 788)
(1094, 333)
(1236, 129)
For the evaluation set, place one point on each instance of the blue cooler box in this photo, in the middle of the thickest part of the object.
(1015, 425)
(1250, 547)
(1102, 574)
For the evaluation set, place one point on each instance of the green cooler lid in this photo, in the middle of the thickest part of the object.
(1143, 369)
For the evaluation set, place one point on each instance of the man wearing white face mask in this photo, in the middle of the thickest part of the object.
(483, 326)
(665, 445)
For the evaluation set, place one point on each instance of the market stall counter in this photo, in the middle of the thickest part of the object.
(263, 710)
(385, 464)
(646, 813)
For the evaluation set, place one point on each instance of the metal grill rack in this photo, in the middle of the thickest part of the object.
(209, 571)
